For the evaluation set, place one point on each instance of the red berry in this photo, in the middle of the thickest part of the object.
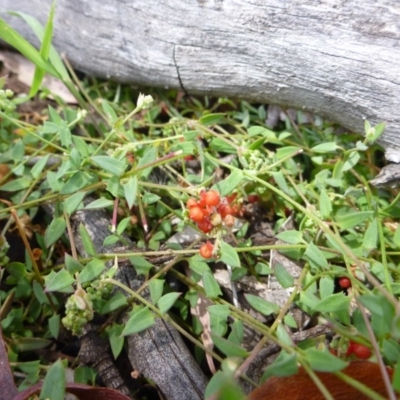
(350, 349)
(359, 350)
(344, 282)
(253, 198)
(196, 214)
(191, 203)
(212, 198)
(188, 158)
(225, 210)
(206, 250)
(205, 225)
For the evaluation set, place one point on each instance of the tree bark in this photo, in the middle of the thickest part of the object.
(335, 58)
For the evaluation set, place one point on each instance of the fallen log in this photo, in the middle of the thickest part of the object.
(336, 59)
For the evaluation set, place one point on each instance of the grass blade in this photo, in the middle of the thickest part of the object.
(54, 57)
(14, 39)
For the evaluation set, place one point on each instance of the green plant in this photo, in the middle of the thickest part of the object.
(135, 162)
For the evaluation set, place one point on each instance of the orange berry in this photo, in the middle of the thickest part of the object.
(206, 250)
(202, 201)
(225, 210)
(191, 203)
(212, 198)
(196, 214)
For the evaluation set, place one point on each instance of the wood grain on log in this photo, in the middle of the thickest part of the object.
(336, 58)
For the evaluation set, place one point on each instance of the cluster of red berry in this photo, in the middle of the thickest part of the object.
(210, 211)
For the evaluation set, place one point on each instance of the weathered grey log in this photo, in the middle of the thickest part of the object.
(338, 59)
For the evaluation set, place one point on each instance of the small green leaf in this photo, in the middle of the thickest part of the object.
(263, 306)
(57, 281)
(39, 293)
(110, 240)
(17, 270)
(226, 186)
(141, 319)
(156, 287)
(325, 205)
(54, 325)
(351, 161)
(260, 130)
(76, 182)
(141, 265)
(92, 270)
(285, 152)
(257, 143)
(211, 285)
(284, 278)
(333, 303)
(263, 269)
(370, 240)
(315, 256)
(150, 198)
(324, 361)
(109, 111)
(65, 134)
(221, 146)
(283, 335)
(123, 224)
(113, 186)
(54, 383)
(211, 119)
(86, 241)
(81, 146)
(73, 266)
(350, 220)
(72, 203)
(290, 236)
(117, 301)
(130, 190)
(284, 365)
(38, 167)
(149, 156)
(238, 273)
(54, 231)
(229, 348)
(110, 164)
(229, 255)
(16, 184)
(167, 301)
(100, 203)
(218, 319)
(116, 339)
(326, 286)
(328, 147)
